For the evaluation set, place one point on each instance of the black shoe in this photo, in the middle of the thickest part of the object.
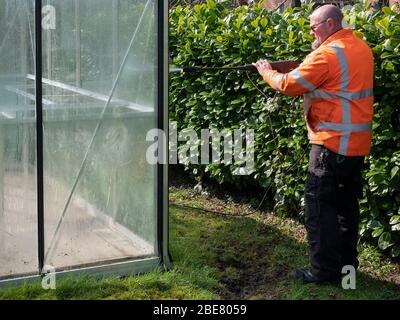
(307, 277)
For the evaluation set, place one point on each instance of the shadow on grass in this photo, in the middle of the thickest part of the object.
(251, 258)
(225, 257)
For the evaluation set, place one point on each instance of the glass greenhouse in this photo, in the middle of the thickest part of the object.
(81, 84)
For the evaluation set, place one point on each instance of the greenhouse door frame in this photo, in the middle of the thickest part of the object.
(162, 256)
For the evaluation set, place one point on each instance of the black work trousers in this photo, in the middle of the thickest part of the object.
(333, 188)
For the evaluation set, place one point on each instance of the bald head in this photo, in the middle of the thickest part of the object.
(324, 22)
(329, 11)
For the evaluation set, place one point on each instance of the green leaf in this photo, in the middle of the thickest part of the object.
(188, 48)
(305, 48)
(369, 27)
(396, 227)
(264, 22)
(197, 9)
(384, 241)
(389, 66)
(387, 55)
(377, 232)
(387, 11)
(374, 224)
(291, 35)
(393, 172)
(395, 251)
(395, 219)
(255, 22)
(191, 103)
(239, 21)
(211, 4)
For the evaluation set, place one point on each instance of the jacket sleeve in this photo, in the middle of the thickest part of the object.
(308, 76)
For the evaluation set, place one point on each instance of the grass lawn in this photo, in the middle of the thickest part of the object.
(227, 256)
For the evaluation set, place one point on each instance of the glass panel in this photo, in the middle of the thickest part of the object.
(100, 200)
(18, 200)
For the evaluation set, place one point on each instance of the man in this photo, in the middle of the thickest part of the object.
(337, 82)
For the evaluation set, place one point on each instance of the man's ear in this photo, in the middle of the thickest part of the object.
(330, 22)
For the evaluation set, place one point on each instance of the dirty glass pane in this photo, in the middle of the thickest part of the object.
(18, 200)
(99, 191)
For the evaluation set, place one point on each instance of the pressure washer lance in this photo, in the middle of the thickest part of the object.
(282, 66)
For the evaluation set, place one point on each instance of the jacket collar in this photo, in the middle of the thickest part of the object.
(342, 33)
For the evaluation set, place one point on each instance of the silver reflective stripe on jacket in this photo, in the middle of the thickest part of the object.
(355, 95)
(295, 74)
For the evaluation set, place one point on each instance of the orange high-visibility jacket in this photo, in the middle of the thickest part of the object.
(337, 82)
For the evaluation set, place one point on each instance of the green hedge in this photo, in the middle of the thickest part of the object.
(210, 35)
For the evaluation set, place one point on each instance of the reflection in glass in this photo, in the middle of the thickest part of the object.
(99, 190)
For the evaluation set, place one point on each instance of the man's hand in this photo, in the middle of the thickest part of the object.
(262, 66)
